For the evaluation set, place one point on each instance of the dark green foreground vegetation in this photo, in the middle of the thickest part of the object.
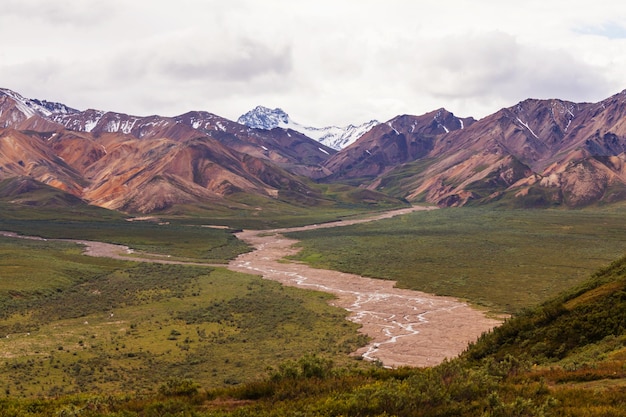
(502, 259)
(70, 323)
(566, 357)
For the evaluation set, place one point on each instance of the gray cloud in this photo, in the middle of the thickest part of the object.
(495, 67)
(246, 61)
(324, 62)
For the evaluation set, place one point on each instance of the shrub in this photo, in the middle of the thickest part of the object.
(176, 387)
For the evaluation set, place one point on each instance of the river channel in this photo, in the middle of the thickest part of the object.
(406, 327)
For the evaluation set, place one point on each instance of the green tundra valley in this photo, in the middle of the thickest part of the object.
(98, 336)
(197, 266)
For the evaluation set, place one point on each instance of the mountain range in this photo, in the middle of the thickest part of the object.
(537, 153)
(143, 164)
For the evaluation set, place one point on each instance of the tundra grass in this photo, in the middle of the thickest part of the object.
(71, 323)
(278, 219)
(186, 232)
(508, 372)
(504, 260)
(344, 201)
(177, 240)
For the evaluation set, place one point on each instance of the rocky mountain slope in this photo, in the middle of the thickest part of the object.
(142, 164)
(536, 153)
(400, 140)
(283, 148)
(332, 136)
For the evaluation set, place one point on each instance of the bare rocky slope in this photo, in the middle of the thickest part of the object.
(402, 139)
(143, 164)
(536, 153)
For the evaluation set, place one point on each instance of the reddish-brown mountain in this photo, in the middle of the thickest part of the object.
(142, 164)
(287, 148)
(537, 153)
(28, 155)
(402, 139)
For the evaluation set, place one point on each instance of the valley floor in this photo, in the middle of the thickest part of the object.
(406, 328)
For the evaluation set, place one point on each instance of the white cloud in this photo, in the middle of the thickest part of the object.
(324, 62)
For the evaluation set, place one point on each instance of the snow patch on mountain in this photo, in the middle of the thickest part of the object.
(32, 107)
(55, 108)
(332, 136)
(119, 125)
(87, 121)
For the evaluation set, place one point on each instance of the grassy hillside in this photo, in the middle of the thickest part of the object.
(576, 329)
(505, 260)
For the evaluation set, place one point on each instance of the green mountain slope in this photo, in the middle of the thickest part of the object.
(25, 198)
(591, 314)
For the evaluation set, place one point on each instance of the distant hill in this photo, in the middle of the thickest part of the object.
(27, 191)
(24, 199)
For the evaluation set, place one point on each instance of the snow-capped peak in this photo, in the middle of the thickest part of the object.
(31, 107)
(332, 136)
(265, 118)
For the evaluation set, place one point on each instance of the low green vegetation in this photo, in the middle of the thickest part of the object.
(100, 337)
(565, 357)
(49, 213)
(201, 232)
(505, 260)
(400, 179)
(179, 241)
(339, 201)
(70, 323)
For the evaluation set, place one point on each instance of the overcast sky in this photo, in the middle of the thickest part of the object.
(325, 62)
